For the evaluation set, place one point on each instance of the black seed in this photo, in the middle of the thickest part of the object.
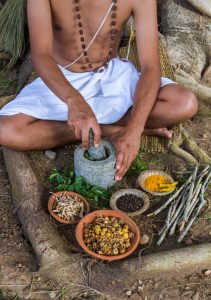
(129, 203)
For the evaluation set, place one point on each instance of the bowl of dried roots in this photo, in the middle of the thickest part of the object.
(67, 207)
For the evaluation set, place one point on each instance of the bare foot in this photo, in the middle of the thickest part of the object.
(165, 132)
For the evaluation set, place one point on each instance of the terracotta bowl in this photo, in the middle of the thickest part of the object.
(138, 193)
(52, 200)
(145, 174)
(108, 213)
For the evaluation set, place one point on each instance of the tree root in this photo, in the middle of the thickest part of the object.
(179, 152)
(202, 92)
(187, 149)
(203, 6)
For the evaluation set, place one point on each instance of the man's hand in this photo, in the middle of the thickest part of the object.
(127, 145)
(82, 119)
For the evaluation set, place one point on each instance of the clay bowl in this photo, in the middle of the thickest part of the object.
(138, 193)
(107, 213)
(52, 200)
(145, 174)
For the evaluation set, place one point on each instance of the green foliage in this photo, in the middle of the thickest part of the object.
(67, 181)
(137, 166)
(5, 294)
(12, 19)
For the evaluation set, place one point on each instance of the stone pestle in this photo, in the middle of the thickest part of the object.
(98, 167)
(95, 153)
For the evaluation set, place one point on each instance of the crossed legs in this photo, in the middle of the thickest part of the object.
(175, 104)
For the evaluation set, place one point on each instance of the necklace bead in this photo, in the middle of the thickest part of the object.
(113, 32)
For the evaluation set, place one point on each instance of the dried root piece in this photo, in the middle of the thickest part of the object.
(68, 208)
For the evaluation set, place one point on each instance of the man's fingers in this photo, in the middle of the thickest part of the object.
(71, 125)
(120, 172)
(77, 133)
(97, 135)
(127, 165)
(85, 138)
(119, 160)
(126, 162)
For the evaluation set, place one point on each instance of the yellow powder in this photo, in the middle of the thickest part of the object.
(153, 182)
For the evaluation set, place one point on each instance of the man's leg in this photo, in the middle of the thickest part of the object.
(175, 104)
(22, 132)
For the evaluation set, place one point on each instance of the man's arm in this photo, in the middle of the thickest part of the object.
(145, 14)
(127, 143)
(81, 116)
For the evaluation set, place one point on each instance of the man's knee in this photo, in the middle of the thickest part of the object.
(5, 130)
(188, 103)
(9, 130)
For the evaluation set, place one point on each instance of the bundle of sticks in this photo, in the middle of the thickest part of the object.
(185, 205)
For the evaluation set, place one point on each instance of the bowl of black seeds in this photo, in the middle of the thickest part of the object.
(132, 202)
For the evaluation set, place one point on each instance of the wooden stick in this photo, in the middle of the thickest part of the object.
(165, 231)
(167, 227)
(205, 184)
(190, 195)
(206, 168)
(176, 222)
(169, 214)
(156, 212)
(162, 229)
(185, 231)
(195, 201)
(183, 200)
(199, 187)
(180, 197)
(201, 176)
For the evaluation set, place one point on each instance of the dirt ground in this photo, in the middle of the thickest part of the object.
(19, 279)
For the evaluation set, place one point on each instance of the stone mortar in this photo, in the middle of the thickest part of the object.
(99, 172)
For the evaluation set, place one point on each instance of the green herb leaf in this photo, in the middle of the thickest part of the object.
(67, 181)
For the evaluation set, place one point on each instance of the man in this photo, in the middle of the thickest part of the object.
(83, 85)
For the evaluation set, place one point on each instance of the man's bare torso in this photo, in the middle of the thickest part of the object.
(67, 45)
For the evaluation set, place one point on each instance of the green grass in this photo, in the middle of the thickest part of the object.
(5, 294)
(137, 166)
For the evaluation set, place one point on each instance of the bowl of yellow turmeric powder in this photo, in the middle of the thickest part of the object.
(157, 183)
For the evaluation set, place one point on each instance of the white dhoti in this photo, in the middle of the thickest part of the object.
(110, 94)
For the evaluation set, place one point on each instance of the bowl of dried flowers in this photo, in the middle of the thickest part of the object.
(107, 235)
(157, 183)
(132, 202)
(67, 207)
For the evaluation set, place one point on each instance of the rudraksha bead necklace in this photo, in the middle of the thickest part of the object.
(113, 32)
